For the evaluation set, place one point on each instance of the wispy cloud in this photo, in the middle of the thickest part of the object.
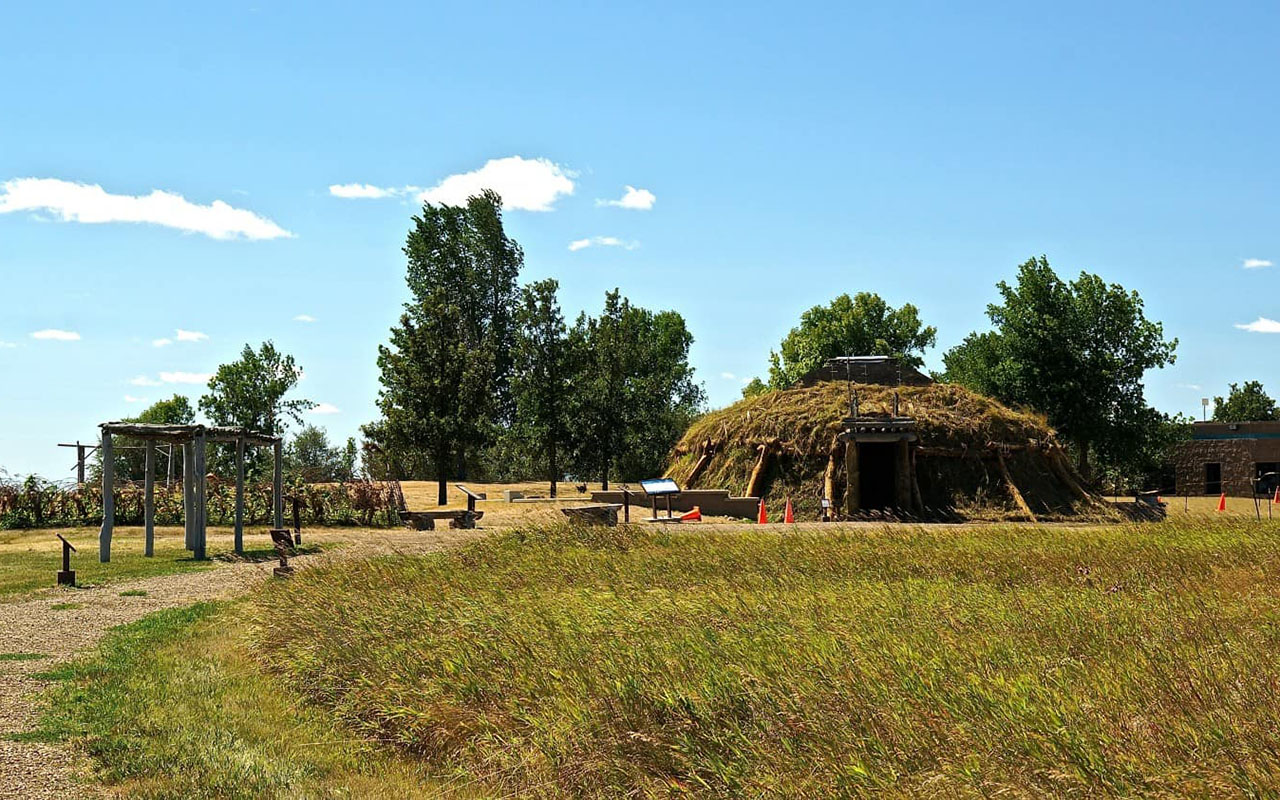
(602, 241)
(325, 408)
(304, 318)
(366, 191)
(191, 336)
(1256, 263)
(1261, 325)
(56, 335)
(526, 184)
(632, 198)
(143, 380)
(90, 203)
(161, 342)
(1193, 386)
(128, 398)
(728, 376)
(6, 345)
(185, 377)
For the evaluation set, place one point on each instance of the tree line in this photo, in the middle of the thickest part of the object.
(483, 377)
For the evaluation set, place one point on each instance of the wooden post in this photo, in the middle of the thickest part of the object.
(108, 499)
(829, 477)
(239, 544)
(149, 500)
(198, 535)
(852, 502)
(1013, 488)
(79, 464)
(277, 486)
(188, 501)
(168, 480)
(917, 497)
(902, 476)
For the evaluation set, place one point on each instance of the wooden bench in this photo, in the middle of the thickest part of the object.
(599, 514)
(426, 520)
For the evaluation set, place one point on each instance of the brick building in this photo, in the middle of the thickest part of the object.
(1228, 456)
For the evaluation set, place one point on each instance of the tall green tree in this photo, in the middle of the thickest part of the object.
(251, 392)
(860, 325)
(311, 458)
(1247, 403)
(634, 393)
(542, 377)
(1076, 351)
(447, 370)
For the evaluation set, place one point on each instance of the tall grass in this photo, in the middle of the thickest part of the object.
(594, 662)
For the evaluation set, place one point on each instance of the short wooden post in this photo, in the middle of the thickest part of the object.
(239, 543)
(149, 501)
(199, 484)
(108, 499)
(277, 487)
(852, 502)
(79, 464)
(902, 476)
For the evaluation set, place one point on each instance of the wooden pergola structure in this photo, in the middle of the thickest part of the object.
(193, 440)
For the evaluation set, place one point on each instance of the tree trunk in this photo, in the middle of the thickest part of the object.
(551, 450)
(604, 475)
(442, 490)
(1082, 462)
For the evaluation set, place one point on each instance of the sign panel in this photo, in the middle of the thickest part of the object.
(659, 486)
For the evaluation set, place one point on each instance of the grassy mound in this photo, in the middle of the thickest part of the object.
(982, 661)
(804, 421)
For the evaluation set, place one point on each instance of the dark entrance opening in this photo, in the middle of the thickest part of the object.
(877, 462)
(1212, 478)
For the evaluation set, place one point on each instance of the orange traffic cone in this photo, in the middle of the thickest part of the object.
(692, 516)
(1276, 499)
(763, 517)
(1222, 502)
(789, 517)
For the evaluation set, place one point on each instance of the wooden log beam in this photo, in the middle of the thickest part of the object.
(1013, 487)
(708, 450)
(829, 477)
(902, 475)
(108, 499)
(149, 501)
(756, 484)
(199, 485)
(852, 498)
(917, 498)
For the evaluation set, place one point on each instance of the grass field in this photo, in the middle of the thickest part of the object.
(172, 706)
(29, 559)
(903, 662)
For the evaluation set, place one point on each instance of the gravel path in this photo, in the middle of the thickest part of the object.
(31, 770)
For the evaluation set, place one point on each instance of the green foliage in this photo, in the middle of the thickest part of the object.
(1124, 661)
(754, 388)
(1247, 403)
(849, 326)
(310, 458)
(1075, 351)
(634, 393)
(446, 372)
(542, 381)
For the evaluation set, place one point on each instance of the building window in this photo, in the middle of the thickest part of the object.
(1266, 476)
(1213, 478)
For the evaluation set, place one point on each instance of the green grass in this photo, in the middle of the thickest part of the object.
(134, 593)
(172, 706)
(1132, 661)
(65, 606)
(22, 656)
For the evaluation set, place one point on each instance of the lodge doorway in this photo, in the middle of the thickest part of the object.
(877, 468)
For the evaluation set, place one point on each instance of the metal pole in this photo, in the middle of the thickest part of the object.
(108, 499)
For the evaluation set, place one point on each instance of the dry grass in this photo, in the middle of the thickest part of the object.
(1028, 661)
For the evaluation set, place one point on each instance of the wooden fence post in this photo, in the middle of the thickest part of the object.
(149, 500)
(108, 499)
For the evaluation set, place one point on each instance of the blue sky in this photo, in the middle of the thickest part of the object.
(790, 152)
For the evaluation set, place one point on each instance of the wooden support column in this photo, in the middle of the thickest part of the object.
(852, 501)
(829, 477)
(79, 464)
(149, 501)
(108, 499)
(917, 498)
(902, 476)
(198, 485)
(277, 486)
(188, 500)
(1013, 488)
(239, 495)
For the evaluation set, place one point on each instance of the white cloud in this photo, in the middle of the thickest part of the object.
(633, 198)
(366, 191)
(185, 377)
(304, 318)
(1261, 325)
(6, 345)
(527, 184)
(602, 241)
(324, 408)
(56, 335)
(1193, 386)
(128, 398)
(191, 336)
(161, 342)
(728, 376)
(1256, 263)
(143, 380)
(90, 203)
